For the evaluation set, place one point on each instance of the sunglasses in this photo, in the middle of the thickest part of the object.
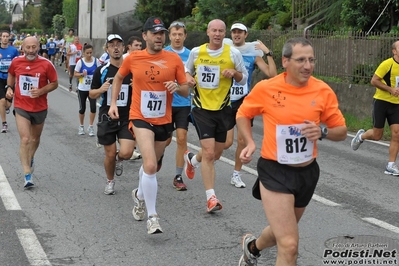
(177, 23)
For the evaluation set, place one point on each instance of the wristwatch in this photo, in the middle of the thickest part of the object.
(270, 53)
(8, 86)
(324, 132)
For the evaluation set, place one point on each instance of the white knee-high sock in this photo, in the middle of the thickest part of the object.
(140, 194)
(150, 190)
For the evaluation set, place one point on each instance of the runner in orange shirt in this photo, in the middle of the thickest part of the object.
(293, 106)
(157, 74)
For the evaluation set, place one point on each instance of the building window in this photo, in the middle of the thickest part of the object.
(88, 6)
(103, 5)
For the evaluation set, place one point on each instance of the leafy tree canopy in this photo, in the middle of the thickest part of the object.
(48, 9)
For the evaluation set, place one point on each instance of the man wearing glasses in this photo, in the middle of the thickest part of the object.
(293, 105)
(181, 106)
(109, 130)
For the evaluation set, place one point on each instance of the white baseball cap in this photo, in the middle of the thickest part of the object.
(239, 26)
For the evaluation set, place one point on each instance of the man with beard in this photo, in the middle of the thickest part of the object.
(109, 130)
(157, 74)
(34, 77)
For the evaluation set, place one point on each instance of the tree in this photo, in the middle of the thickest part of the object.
(168, 11)
(5, 15)
(49, 8)
(69, 10)
(32, 16)
(361, 15)
(58, 24)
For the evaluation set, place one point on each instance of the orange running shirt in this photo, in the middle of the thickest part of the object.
(150, 99)
(283, 105)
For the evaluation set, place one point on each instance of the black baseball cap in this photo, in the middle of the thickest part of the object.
(154, 24)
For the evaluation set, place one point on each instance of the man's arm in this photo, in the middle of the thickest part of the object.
(268, 69)
(376, 81)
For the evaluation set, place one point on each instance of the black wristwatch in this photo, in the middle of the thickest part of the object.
(324, 132)
(270, 53)
(8, 86)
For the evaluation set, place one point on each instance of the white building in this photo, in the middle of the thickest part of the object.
(98, 18)
(17, 11)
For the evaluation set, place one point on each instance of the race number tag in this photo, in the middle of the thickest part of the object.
(79, 54)
(122, 97)
(153, 104)
(44, 47)
(208, 76)
(292, 146)
(237, 91)
(26, 83)
(397, 81)
(87, 80)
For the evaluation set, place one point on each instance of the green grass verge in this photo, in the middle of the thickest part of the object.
(354, 124)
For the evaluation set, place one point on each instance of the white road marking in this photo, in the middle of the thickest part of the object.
(32, 247)
(325, 201)
(7, 195)
(382, 224)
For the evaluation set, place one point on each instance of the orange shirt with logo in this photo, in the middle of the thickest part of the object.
(151, 101)
(280, 103)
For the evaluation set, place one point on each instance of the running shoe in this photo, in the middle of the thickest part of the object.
(90, 129)
(236, 181)
(7, 110)
(98, 145)
(159, 164)
(70, 87)
(247, 259)
(118, 165)
(81, 130)
(4, 129)
(356, 142)
(214, 204)
(189, 169)
(28, 181)
(139, 207)
(178, 183)
(109, 188)
(153, 226)
(136, 155)
(393, 170)
(32, 165)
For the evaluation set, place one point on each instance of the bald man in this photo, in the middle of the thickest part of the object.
(215, 65)
(30, 78)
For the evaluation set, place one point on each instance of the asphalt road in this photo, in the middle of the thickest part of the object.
(68, 220)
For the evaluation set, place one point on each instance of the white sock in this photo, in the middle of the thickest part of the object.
(150, 190)
(194, 161)
(140, 195)
(236, 173)
(209, 193)
(360, 137)
(390, 164)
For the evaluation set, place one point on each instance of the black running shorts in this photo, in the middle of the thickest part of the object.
(299, 181)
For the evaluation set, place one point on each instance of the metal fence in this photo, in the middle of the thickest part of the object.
(341, 56)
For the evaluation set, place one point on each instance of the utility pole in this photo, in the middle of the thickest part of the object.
(23, 10)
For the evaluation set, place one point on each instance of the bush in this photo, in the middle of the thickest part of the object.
(31, 31)
(250, 18)
(263, 21)
(363, 73)
(284, 19)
